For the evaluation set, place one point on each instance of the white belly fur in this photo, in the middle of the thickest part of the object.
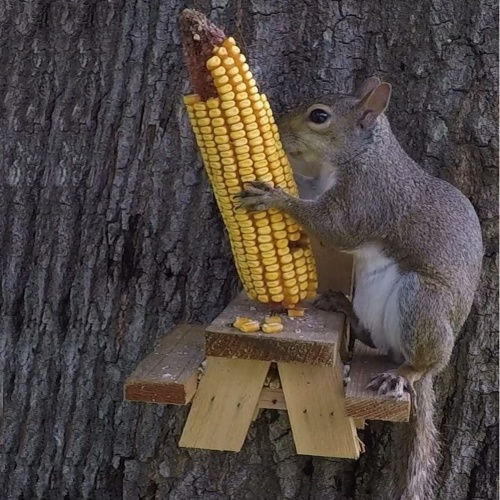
(376, 297)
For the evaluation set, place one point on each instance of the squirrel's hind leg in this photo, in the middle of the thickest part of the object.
(426, 337)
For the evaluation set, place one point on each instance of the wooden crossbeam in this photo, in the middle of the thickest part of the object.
(272, 399)
(364, 404)
(169, 374)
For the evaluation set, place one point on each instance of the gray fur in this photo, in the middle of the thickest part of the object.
(428, 227)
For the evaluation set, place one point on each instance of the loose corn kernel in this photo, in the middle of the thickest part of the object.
(240, 321)
(246, 325)
(272, 319)
(297, 312)
(272, 327)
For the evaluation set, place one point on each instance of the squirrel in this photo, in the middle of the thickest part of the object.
(417, 248)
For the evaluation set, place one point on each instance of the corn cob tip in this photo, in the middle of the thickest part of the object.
(239, 142)
(199, 38)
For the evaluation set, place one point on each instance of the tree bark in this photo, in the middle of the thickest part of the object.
(110, 234)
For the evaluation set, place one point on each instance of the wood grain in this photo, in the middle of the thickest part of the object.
(169, 374)
(361, 403)
(224, 405)
(273, 399)
(334, 268)
(314, 398)
(359, 423)
(312, 339)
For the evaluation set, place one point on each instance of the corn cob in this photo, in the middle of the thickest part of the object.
(239, 142)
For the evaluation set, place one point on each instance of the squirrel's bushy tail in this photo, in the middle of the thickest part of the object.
(417, 448)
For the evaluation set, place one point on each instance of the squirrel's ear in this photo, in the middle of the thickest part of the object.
(373, 104)
(367, 86)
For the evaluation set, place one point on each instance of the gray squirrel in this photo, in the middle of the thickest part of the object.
(417, 248)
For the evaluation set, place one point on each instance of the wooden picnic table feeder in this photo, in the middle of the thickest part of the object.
(299, 370)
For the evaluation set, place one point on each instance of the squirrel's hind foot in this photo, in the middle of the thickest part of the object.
(390, 383)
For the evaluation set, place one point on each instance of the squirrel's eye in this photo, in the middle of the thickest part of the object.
(318, 116)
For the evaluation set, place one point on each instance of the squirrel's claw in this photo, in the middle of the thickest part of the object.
(257, 196)
(258, 185)
(389, 384)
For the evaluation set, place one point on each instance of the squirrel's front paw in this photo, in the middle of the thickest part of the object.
(389, 383)
(333, 301)
(257, 196)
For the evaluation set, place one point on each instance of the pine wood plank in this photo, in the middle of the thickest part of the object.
(334, 268)
(313, 339)
(168, 375)
(335, 272)
(366, 404)
(314, 398)
(224, 404)
(359, 423)
(256, 413)
(272, 399)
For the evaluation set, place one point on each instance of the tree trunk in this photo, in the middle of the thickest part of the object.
(110, 234)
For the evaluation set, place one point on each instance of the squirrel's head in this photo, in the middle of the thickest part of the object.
(335, 128)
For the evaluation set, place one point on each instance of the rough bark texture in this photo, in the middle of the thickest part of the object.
(110, 234)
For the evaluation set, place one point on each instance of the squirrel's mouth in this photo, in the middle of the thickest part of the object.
(294, 146)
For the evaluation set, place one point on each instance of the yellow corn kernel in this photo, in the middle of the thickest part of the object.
(239, 321)
(272, 319)
(239, 142)
(249, 327)
(272, 327)
(296, 312)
